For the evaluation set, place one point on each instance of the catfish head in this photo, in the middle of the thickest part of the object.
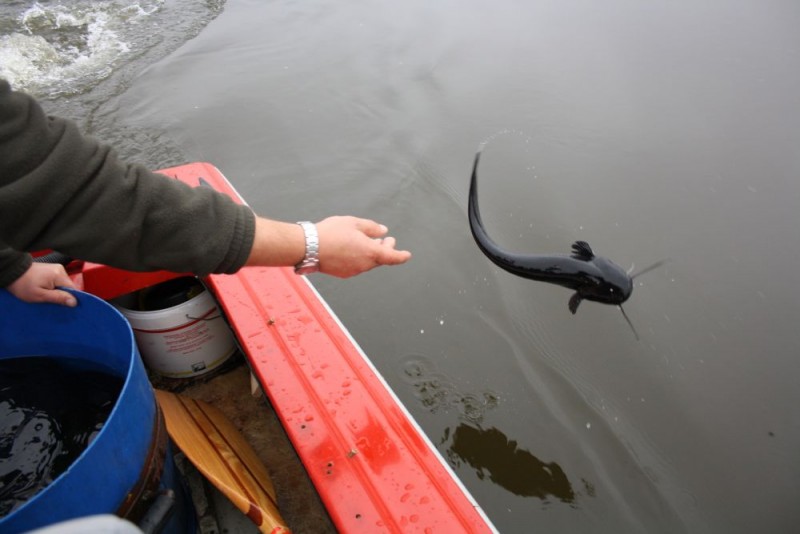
(603, 280)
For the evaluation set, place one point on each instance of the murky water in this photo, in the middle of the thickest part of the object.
(51, 409)
(652, 131)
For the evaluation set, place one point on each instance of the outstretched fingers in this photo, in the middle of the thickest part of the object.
(350, 245)
(389, 255)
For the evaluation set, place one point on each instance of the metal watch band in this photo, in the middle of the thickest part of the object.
(310, 263)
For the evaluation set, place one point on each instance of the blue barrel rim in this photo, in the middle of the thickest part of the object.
(135, 382)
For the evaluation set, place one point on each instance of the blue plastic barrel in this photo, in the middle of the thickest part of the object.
(109, 472)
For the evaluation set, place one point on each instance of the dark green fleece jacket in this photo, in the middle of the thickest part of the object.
(65, 191)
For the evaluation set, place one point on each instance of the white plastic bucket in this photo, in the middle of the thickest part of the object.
(185, 340)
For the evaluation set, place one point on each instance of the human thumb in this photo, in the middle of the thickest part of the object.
(59, 296)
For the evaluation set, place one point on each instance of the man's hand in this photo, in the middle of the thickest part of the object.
(349, 246)
(39, 283)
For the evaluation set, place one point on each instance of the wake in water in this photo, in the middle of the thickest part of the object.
(58, 46)
(65, 48)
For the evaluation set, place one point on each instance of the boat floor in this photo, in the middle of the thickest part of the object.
(228, 388)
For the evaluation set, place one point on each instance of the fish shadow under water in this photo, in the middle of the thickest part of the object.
(500, 459)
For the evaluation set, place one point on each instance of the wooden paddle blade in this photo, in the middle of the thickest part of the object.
(219, 451)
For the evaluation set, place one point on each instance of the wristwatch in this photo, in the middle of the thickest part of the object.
(310, 263)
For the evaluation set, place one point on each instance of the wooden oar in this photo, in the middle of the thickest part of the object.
(220, 452)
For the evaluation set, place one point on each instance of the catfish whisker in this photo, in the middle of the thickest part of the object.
(650, 268)
(635, 333)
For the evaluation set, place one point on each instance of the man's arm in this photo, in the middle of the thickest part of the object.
(65, 191)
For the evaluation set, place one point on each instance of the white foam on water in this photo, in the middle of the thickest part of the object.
(60, 48)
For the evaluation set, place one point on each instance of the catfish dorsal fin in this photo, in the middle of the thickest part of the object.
(582, 251)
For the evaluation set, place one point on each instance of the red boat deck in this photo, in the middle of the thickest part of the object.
(372, 465)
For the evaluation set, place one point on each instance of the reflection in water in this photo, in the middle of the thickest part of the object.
(491, 453)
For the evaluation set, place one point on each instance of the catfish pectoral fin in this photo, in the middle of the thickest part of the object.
(574, 302)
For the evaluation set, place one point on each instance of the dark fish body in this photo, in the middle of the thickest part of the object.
(592, 277)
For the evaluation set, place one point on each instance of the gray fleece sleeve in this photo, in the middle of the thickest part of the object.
(62, 190)
(13, 264)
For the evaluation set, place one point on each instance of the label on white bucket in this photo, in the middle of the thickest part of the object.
(185, 340)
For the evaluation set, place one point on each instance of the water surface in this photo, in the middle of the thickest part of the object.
(651, 131)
